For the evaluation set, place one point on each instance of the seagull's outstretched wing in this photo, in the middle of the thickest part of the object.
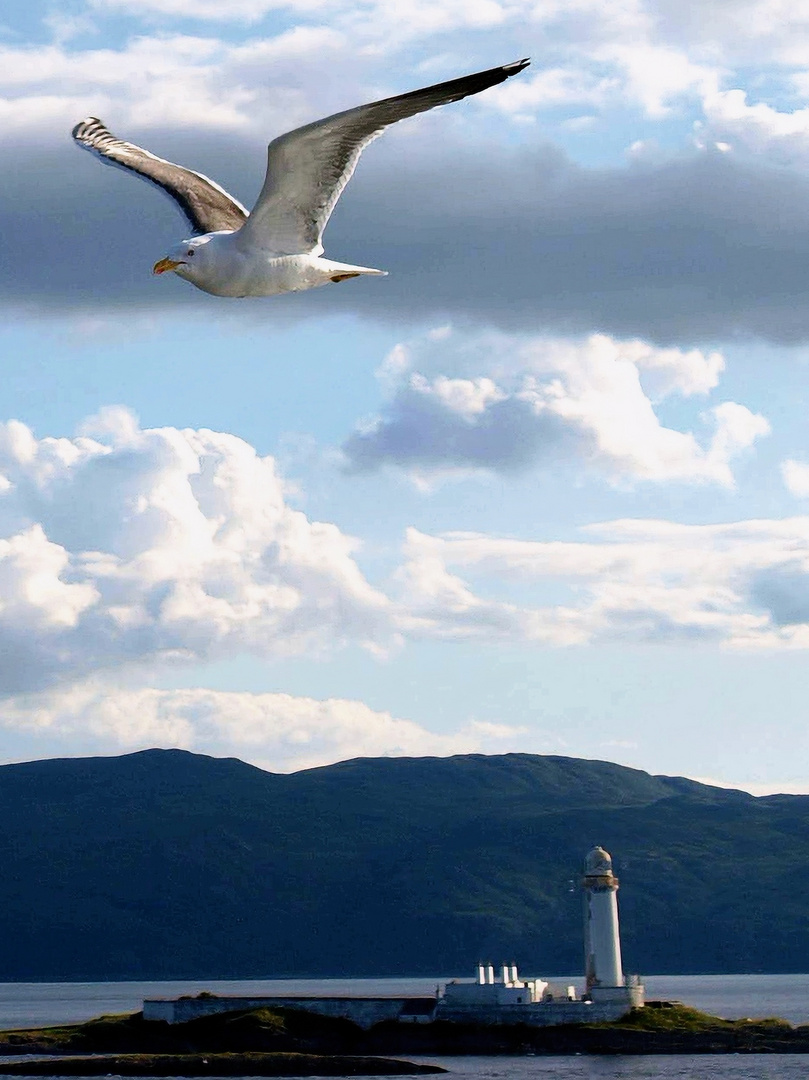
(207, 206)
(308, 168)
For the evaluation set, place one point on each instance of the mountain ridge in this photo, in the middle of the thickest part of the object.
(169, 864)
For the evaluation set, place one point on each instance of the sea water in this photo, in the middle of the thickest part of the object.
(731, 996)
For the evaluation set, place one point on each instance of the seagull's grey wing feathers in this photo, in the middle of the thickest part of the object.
(207, 206)
(308, 168)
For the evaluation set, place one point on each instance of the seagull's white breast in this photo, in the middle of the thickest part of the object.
(222, 268)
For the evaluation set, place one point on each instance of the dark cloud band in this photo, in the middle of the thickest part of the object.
(705, 248)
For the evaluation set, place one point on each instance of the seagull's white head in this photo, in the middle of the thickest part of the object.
(188, 260)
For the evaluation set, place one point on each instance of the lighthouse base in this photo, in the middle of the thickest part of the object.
(632, 995)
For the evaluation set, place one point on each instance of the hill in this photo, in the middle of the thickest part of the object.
(166, 864)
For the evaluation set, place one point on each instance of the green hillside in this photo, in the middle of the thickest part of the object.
(165, 864)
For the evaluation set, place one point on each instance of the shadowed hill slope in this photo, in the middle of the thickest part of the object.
(165, 864)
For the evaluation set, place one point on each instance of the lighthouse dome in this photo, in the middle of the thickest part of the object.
(598, 863)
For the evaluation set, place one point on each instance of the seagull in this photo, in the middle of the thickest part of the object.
(276, 248)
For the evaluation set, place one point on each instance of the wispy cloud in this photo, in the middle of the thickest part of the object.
(277, 731)
(744, 584)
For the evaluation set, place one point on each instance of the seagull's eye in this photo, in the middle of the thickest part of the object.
(190, 252)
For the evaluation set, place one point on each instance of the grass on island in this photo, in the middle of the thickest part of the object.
(67, 1036)
(674, 1017)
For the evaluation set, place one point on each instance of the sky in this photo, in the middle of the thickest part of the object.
(543, 489)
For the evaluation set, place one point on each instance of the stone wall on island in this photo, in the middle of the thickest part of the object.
(365, 1012)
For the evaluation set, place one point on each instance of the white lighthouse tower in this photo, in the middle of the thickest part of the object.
(604, 974)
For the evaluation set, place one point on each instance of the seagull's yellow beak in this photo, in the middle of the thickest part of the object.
(164, 265)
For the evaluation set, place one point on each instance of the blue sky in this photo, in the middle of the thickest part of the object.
(544, 488)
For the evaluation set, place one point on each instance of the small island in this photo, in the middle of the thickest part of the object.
(291, 1042)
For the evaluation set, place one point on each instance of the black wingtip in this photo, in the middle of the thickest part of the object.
(516, 67)
(81, 129)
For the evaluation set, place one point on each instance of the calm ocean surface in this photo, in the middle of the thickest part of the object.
(787, 996)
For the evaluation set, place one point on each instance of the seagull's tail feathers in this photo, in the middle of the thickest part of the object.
(343, 271)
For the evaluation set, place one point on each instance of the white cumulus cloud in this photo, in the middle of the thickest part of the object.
(124, 545)
(514, 403)
(796, 477)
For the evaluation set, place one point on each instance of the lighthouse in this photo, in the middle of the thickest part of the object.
(602, 942)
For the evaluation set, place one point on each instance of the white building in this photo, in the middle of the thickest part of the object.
(504, 988)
